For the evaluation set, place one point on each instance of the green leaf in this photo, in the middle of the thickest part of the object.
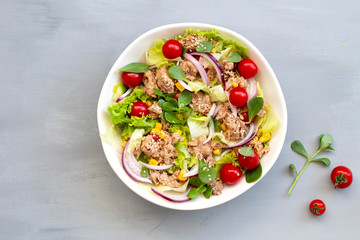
(217, 125)
(246, 151)
(253, 175)
(325, 142)
(235, 57)
(171, 117)
(255, 105)
(175, 72)
(205, 46)
(135, 68)
(326, 161)
(298, 147)
(207, 174)
(184, 98)
(172, 101)
(158, 92)
(166, 106)
(194, 193)
(145, 172)
(202, 189)
(195, 181)
(292, 167)
(208, 192)
(185, 109)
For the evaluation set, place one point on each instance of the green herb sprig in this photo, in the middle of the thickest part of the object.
(297, 146)
(206, 175)
(205, 46)
(135, 68)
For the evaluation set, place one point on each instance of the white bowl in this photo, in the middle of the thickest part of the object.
(135, 52)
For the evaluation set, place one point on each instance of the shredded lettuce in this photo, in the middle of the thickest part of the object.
(219, 136)
(217, 93)
(164, 188)
(260, 92)
(269, 122)
(135, 140)
(197, 86)
(154, 55)
(118, 90)
(198, 126)
(113, 138)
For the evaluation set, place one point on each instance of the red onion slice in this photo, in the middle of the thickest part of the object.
(193, 171)
(160, 167)
(232, 107)
(251, 134)
(131, 167)
(217, 109)
(211, 131)
(125, 94)
(152, 66)
(251, 89)
(212, 109)
(199, 68)
(215, 63)
(173, 198)
(187, 87)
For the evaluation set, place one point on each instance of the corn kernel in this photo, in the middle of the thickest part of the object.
(235, 84)
(265, 139)
(179, 132)
(223, 127)
(213, 50)
(162, 135)
(181, 176)
(256, 138)
(158, 126)
(148, 103)
(155, 131)
(178, 85)
(259, 133)
(153, 162)
(126, 138)
(123, 143)
(233, 153)
(216, 151)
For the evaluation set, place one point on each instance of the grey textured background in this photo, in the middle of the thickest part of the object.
(55, 182)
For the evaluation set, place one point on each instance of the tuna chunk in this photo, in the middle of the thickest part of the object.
(155, 111)
(211, 73)
(150, 83)
(263, 110)
(165, 178)
(223, 112)
(151, 147)
(191, 41)
(259, 147)
(228, 65)
(189, 69)
(233, 77)
(201, 103)
(235, 127)
(201, 150)
(217, 186)
(165, 83)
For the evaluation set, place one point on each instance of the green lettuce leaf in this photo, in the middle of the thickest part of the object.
(217, 93)
(135, 140)
(269, 121)
(118, 90)
(227, 158)
(154, 55)
(198, 126)
(113, 138)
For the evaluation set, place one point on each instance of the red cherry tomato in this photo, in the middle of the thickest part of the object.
(247, 68)
(248, 163)
(238, 97)
(172, 49)
(317, 207)
(131, 79)
(246, 117)
(176, 96)
(139, 109)
(341, 177)
(230, 174)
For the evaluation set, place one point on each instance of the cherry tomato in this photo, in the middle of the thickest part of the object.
(248, 163)
(230, 174)
(246, 117)
(131, 79)
(139, 109)
(176, 95)
(247, 68)
(341, 177)
(172, 49)
(317, 207)
(238, 97)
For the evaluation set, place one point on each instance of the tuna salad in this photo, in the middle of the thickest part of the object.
(192, 118)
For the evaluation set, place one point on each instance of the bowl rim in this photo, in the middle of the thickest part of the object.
(178, 206)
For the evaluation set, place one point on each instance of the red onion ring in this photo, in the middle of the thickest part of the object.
(251, 134)
(131, 166)
(152, 66)
(199, 68)
(125, 94)
(232, 107)
(211, 112)
(160, 167)
(173, 198)
(215, 63)
(187, 87)
(211, 131)
(251, 89)
(217, 109)
(193, 171)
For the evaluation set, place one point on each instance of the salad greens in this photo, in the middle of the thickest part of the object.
(135, 68)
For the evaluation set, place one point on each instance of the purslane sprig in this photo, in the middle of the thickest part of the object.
(297, 146)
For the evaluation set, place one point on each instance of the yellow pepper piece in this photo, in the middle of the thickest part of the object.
(235, 84)
(179, 132)
(162, 135)
(123, 143)
(259, 133)
(216, 151)
(148, 103)
(178, 85)
(223, 127)
(158, 126)
(265, 139)
(153, 162)
(126, 138)
(213, 50)
(181, 174)
(155, 131)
